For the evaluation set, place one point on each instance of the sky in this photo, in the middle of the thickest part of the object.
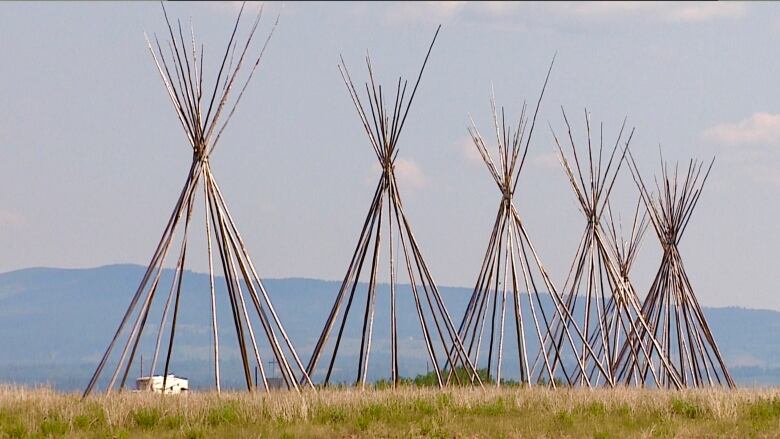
(92, 157)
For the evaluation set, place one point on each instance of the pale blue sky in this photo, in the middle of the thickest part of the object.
(93, 159)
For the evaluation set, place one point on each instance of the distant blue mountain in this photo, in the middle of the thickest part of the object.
(55, 323)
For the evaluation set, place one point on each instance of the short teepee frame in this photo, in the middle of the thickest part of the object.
(611, 312)
(673, 313)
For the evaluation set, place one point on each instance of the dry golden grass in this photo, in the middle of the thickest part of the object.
(406, 412)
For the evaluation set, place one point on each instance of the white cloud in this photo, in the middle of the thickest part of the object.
(426, 11)
(546, 161)
(706, 11)
(752, 145)
(518, 15)
(602, 10)
(759, 129)
(468, 151)
(232, 7)
(409, 174)
(433, 12)
(655, 11)
(8, 218)
(470, 154)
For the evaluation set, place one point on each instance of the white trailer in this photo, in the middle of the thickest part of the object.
(173, 385)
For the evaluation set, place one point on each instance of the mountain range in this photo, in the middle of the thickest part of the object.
(55, 324)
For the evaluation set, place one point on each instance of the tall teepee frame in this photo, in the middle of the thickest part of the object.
(612, 311)
(200, 116)
(386, 219)
(673, 313)
(510, 266)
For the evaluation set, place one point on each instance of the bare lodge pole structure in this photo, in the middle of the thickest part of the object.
(671, 309)
(630, 362)
(204, 114)
(512, 272)
(383, 117)
(611, 312)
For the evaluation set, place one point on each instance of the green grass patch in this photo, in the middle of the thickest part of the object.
(406, 411)
(226, 413)
(331, 415)
(146, 418)
(687, 408)
(53, 426)
(13, 430)
(764, 409)
(92, 417)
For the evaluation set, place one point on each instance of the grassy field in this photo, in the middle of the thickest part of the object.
(406, 412)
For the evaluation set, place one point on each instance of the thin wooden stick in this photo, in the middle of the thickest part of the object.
(214, 328)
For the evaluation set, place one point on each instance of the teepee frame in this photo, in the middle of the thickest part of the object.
(200, 116)
(631, 362)
(510, 264)
(386, 217)
(598, 272)
(624, 252)
(673, 313)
